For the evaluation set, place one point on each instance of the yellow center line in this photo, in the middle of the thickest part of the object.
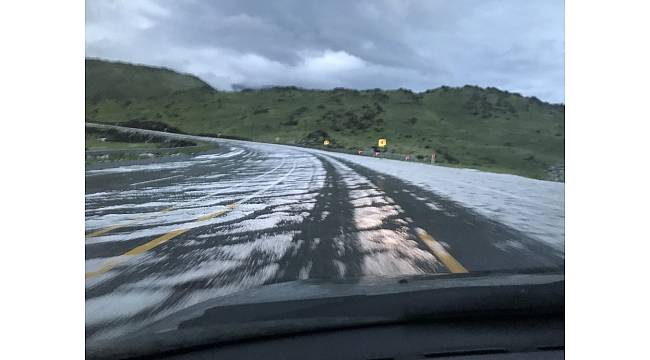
(106, 267)
(130, 222)
(155, 242)
(152, 244)
(105, 230)
(214, 214)
(440, 252)
(217, 213)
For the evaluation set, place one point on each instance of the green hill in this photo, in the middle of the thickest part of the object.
(116, 80)
(468, 126)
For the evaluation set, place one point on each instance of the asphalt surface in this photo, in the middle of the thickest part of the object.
(164, 234)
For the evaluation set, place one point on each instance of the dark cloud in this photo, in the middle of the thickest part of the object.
(511, 44)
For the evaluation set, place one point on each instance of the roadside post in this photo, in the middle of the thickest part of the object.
(381, 143)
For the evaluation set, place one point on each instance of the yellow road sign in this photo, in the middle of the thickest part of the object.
(326, 142)
(381, 142)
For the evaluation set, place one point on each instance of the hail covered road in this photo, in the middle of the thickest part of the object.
(164, 234)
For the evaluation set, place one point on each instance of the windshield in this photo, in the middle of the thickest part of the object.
(239, 146)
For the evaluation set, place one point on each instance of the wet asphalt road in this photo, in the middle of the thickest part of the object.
(240, 216)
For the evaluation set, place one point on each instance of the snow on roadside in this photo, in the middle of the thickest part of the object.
(535, 207)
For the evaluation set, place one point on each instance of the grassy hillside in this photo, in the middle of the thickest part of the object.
(468, 126)
(124, 81)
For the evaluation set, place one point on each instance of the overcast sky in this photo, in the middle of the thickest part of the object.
(515, 45)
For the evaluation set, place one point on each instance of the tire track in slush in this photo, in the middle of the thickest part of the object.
(326, 244)
(331, 244)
